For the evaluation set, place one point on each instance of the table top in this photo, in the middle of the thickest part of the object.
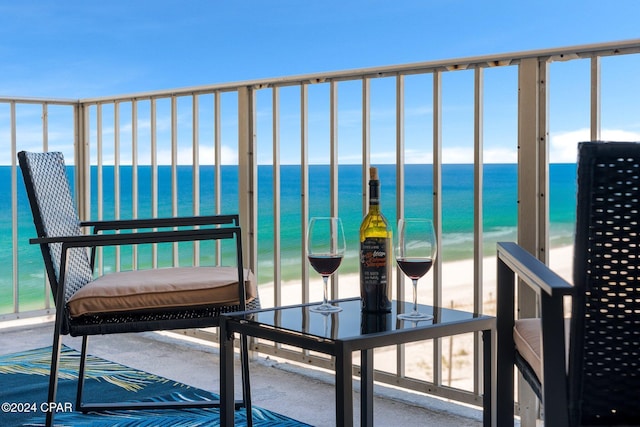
(352, 324)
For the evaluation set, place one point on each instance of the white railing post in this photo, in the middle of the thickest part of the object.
(595, 112)
(248, 176)
(533, 186)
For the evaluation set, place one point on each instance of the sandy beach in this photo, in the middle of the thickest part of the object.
(457, 292)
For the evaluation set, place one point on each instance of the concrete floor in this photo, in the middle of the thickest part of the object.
(298, 392)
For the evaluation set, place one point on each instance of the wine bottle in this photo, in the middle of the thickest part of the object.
(375, 253)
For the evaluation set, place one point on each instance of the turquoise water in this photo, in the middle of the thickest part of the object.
(500, 212)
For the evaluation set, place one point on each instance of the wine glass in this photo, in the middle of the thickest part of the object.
(325, 249)
(415, 252)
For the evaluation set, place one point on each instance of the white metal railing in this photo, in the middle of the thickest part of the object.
(118, 138)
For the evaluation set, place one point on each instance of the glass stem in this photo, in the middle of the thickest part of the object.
(325, 279)
(415, 295)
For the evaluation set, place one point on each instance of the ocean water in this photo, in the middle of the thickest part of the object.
(499, 222)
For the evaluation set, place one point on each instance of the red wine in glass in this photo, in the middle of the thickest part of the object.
(414, 268)
(325, 249)
(416, 249)
(325, 265)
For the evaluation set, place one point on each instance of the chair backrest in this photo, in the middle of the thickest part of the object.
(55, 215)
(604, 360)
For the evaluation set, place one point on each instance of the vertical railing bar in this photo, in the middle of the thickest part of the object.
(400, 160)
(400, 183)
(100, 181)
(116, 171)
(78, 172)
(45, 127)
(217, 166)
(478, 249)
(134, 173)
(304, 193)
(81, 145)
(45, 147)
(333, 166)
(595, 98)
(366, 154)
(14, 207)
(195, 134)
(78, 162)
(84, 142)
(154, 174)
(277, 261)
(437, 214)
(304, 187)
(174, 171)
(366, 142)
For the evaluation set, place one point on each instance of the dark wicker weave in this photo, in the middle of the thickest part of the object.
(605, 363)
(69, 267)
(602, 385)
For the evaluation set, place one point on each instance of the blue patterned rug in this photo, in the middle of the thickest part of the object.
(23, 392)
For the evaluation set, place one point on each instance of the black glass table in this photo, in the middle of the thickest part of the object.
(339, 334)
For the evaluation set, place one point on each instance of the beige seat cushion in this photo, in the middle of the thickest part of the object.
(527, 334)
(161, 288)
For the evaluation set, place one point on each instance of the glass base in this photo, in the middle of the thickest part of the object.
(325, 308)
(415, 316)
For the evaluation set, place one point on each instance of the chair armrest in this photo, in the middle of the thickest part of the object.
(551, 288)
(169, 236)
(130, 224)
(532, 271)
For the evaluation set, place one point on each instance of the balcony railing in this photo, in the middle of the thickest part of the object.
(132, 154)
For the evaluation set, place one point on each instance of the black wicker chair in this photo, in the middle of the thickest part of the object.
(128, 301)
(595, 380)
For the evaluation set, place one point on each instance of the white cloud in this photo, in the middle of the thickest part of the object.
(564, 145)
(464, 155)
(228, 156)
(563, 148)
(500, 155)
(455, 155)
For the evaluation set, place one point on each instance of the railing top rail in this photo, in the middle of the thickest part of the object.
(30, 100)
(485, 61)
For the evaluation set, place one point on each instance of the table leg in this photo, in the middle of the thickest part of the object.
(227, 396)
(366, 388)
(489, 380)
(344, 388)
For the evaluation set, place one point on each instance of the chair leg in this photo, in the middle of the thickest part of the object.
(246, 385)
(81, 371)
(53, 374)
(505, 355)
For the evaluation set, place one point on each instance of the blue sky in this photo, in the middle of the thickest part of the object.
(76, 49)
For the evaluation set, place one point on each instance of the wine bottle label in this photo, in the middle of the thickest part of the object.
(374, 268)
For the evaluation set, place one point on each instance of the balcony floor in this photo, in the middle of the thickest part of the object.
(276, 385)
